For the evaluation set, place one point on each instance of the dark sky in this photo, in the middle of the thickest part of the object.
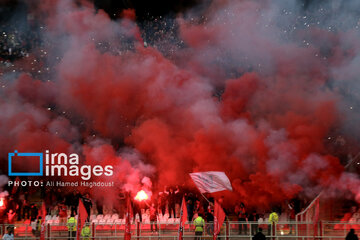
(146, 8)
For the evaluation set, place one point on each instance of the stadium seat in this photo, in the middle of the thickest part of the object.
(58, 228)
(100, 216)
(102, 221)
(115, 216)
(54, 217)
(107, 226)
(118, 227)
(107, 216)
(95, 221)
(118, 221)
(115, 227)
(21, 229)
(99, 227)
(47, 217)
(92, 217)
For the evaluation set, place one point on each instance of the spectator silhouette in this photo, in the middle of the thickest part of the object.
(351, 235)
(259, 235)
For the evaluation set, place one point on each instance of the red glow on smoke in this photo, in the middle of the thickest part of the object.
(149, 116)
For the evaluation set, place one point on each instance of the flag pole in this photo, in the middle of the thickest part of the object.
(78, 222)
(180, 226)
(205, 197)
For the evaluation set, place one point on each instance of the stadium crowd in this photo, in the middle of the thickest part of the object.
(19, 207)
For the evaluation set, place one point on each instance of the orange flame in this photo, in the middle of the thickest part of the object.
(141, 195)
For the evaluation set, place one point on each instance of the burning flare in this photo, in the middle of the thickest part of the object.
(1, 202)
(141, 195)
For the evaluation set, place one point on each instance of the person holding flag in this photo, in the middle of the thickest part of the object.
(209, 217)
(211, 182)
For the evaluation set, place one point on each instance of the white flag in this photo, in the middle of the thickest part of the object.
(211, 181)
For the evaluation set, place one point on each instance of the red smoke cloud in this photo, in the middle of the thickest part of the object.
(266, 132)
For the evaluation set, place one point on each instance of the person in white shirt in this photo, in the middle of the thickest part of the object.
(10, 234)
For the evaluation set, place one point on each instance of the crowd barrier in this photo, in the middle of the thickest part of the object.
(168, 231)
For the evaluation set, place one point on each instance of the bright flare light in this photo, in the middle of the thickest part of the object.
(141, 195)
(1, 202)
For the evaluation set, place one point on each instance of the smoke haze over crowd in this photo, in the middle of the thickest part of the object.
(265, 91)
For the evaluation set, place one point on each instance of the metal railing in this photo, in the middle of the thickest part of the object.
(230, 230)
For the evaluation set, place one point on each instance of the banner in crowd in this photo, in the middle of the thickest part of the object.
(183, 218)
(82, 216)
(211, 181)
(219, 218)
